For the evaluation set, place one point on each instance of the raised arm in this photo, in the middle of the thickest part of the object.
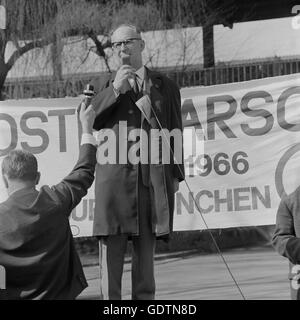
(74, 187)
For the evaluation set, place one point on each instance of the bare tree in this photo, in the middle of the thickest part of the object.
(25, 20)
(33, 24)
(36, 24)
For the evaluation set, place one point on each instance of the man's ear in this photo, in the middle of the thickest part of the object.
(38, 177)
(5, 180)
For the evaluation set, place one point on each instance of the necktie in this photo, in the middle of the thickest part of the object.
(135, 86)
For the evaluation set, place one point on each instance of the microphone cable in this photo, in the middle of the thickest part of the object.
(199, 210)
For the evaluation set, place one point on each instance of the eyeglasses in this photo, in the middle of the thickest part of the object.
(127, 43)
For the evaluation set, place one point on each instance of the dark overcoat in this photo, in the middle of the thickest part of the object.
(116, 184)
(36, 243)
(286, 238)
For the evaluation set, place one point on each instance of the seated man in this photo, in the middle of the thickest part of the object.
(36, 243)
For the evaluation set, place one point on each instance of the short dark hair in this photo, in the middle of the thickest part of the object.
(20, 165)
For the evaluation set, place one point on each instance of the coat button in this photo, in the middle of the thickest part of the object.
(130, 111)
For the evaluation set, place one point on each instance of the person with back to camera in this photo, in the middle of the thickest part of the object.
(36, 244)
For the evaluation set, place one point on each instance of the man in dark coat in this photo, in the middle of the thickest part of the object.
(134, 199)
(286, 238)
(36, 243)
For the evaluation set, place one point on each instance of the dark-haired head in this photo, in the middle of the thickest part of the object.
(20, 168)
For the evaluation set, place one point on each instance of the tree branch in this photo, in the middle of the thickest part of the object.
(3, 36)
(27, 47)
(100, 47)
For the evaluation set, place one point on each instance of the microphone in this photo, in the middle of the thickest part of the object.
(131, 80)
(88, 93)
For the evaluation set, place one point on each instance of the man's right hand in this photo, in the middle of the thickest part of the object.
(87, 117)
(121, 83)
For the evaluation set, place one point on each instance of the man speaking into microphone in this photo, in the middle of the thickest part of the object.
(134, 201)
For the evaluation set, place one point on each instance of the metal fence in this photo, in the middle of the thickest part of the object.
(191, 76)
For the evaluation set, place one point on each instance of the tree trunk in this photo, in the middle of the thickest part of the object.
(56, 56)
(3, 74)
(208, 46)
(2, 95)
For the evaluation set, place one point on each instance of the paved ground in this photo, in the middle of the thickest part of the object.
(260, 272)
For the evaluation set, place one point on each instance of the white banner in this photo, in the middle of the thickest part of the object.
(251, 150)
